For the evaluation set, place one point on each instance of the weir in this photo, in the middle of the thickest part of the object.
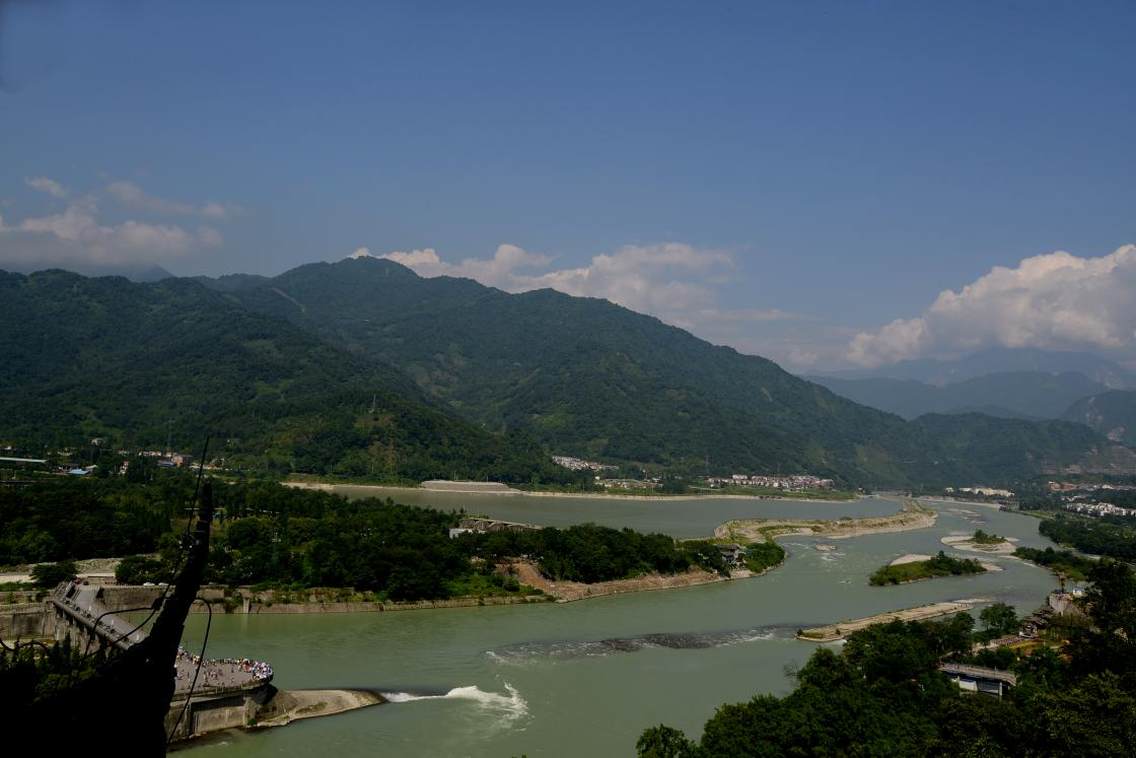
(228, 693)
(231, 693)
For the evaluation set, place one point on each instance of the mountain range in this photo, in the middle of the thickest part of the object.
(1008, 394)
(145, 364)
(1111, 413)
(363, 367)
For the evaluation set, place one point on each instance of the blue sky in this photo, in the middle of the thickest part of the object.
(776, 176)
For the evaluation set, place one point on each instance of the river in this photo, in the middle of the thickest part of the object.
(586, 678)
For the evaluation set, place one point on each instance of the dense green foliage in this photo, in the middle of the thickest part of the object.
(588, 378)
(1112, 413)
(1062, 562)
(140, 569)
(32, 673)
(938, 565)
(266, 533)
(982, 538)
(764, 555)
(998, 620)
(591, 553)
(882, 695)
(70, 518)
(137, 363)
(1094, 536)
(47, 575)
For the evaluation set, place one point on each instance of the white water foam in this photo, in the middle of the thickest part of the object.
(510, 706)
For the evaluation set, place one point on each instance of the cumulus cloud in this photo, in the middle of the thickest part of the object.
(1052, 301)
(679, 283)
(503, 270)
(672, 280)
(78, 236)
(133, 196)
(50, 186)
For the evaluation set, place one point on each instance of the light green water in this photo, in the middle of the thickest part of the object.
(586, 678)
(682, 518)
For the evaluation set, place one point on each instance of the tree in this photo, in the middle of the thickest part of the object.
(138, 569)
(663, 741)
(47, 575)
(999, 620)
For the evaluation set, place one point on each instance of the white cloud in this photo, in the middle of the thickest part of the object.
(674, 281)
(1052, 301)
(502, 270)
(133, 196)
(77, 236)
(50, 186)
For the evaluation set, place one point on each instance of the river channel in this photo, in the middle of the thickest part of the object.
(586, 678)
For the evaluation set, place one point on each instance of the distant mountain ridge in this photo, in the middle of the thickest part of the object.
(364, 368)
(1016, 394)
(1111, 413)
(997, 361)
(586, 377)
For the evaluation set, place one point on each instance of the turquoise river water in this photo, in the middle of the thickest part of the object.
(586, 678)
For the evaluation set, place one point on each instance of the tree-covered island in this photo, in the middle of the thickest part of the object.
(936, 566)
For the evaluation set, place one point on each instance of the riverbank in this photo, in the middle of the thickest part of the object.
(393, 491)
(968, 543)
(840, 630)
(911, 516)
(567, 592)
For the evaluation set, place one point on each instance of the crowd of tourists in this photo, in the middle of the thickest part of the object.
(218, 672)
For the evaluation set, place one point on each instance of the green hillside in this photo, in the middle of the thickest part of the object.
(1112, 413)
(590, 378)
(136, 362)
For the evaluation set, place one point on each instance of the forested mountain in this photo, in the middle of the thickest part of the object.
(590, 378)
(1112, 413)
(135, 363)
(1009, 394)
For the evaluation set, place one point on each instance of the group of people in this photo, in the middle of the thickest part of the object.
(220, 672)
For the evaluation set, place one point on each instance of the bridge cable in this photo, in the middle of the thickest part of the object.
(161, 599)
(196, 671)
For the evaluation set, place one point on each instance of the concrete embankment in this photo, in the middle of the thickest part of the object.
(292, 705)
(26, 621)
(264, 706)
(248, 601)
(842, 629)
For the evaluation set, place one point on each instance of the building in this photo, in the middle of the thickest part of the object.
(733, 554)
(978, 679)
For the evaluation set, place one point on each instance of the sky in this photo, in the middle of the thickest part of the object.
(832, 185)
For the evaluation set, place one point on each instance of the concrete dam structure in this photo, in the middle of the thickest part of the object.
(209, 696)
